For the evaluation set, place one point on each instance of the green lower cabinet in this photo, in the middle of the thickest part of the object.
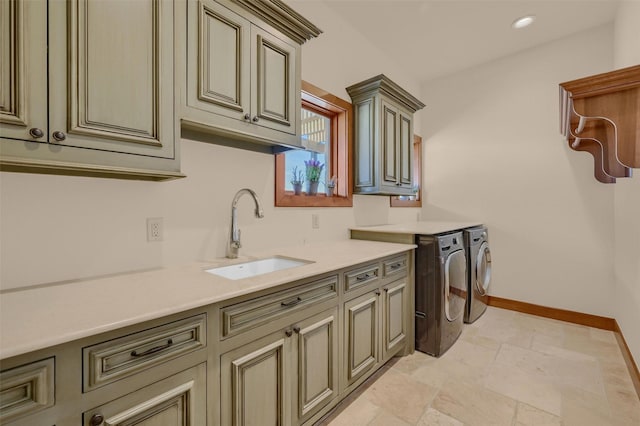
(395, 324)
(361, 329)
(317, 363)
(179, 400)
(283, 378)
(253, 388)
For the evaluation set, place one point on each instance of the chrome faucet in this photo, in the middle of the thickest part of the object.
(234, 238)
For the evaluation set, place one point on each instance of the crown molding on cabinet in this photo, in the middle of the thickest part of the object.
(382, 83)
(282, 17)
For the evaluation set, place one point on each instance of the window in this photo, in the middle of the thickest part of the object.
(326, 123)
(413, 200)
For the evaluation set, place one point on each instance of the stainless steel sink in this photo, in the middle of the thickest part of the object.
(252, 268)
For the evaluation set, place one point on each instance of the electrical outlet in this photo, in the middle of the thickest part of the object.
(154, 229)
(315, 221)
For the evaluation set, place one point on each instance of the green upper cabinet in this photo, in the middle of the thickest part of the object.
(95, 95)
(383, 114)
(243, 70)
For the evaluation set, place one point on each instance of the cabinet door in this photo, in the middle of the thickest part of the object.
(179, 400)
(390, 120)
(365, 145)
(23, 69)
(275, 97)
(405, 149)
(220, 60)
(111, 76)
(317, 363)
(254, 383)
(394, 318)
(361, 335)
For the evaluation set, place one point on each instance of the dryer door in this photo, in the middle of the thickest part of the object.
(455, 284)
(483, 269)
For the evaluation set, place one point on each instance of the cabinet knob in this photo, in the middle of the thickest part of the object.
(247, 116)
(378, 293)
(255, 118)
(36, 133)
(296, 329)
(59, 136)
(288, 332)
(96, 420)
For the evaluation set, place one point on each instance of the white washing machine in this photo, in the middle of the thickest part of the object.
(478, 272)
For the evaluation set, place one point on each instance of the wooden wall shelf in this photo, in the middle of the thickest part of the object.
(600, 115)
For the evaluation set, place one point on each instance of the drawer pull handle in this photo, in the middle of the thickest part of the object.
(153, 350)
(365, 276)
(396, 266)
(294, 302)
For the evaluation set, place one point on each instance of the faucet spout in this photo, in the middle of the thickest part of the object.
(234, 237)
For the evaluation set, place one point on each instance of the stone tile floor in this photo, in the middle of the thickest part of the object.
(507, 368)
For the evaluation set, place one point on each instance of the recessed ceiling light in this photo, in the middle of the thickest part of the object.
(525, 21)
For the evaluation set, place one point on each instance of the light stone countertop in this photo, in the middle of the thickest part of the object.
(43, 316)
(419, 228)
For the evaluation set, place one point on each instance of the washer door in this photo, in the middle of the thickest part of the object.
(483, 269)
(455, 285)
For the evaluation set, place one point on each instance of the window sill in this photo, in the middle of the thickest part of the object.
(397, 202)
(288, 199)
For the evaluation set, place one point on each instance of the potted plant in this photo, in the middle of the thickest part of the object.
(297, 180)
(313, 169)
(331, 185)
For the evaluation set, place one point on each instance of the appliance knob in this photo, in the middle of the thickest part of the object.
(484, 235)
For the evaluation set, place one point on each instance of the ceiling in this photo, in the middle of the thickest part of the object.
(435, 38)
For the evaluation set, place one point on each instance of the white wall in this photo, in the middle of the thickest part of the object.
(627, 198)
(493, 152)
(55, 228)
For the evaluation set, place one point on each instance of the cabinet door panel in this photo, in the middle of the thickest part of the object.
(120, 75)
(224, 53)
(179, 400)
(365, 143)
(317, 363)
(253, 384)
(406, 150)
(23, 68)
(389, 143)
(361, 332)
(274, 77)
(394, 317)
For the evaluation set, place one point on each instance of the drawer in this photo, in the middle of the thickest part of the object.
(395, 266)
(27, 389)
(243, 316)
(361, 276)
(115, 359)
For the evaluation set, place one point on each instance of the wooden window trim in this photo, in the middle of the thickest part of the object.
(417, 173)
(340, 113)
